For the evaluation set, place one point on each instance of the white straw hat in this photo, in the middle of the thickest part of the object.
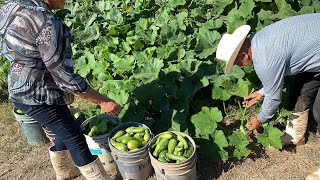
(230, 44)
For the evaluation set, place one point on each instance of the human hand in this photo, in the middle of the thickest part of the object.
(110, 107)
(253, 99)
(253, 124)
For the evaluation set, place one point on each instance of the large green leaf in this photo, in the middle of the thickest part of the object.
(270, 137)
(285, 10)
(206, 42)
(240, 142)
(90, 33)
(220, 139)
(206, 121)
(125, 65)
(219, 93)
(85, 63)
(149, 71)
(121, 97)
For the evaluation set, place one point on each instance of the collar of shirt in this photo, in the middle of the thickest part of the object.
(37, 5)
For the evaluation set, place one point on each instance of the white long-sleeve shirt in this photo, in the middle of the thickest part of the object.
(287, 47)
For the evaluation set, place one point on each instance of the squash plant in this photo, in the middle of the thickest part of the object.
(156, 58)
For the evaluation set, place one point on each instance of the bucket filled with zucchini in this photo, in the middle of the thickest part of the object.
(96, 130)
(129, 144)
(173, 156)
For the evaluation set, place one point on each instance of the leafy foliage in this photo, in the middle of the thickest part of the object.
(206, 121)
(270, 137)
(4, 68)
(240, 143)
(156, 58)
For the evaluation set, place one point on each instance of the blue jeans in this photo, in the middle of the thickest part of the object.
(68, 134)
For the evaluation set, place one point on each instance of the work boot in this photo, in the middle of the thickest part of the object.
(94, 171)
(295, 129)
(314, 176)
(63, 164)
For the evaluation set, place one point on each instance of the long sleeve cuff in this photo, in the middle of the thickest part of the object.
(262, 118)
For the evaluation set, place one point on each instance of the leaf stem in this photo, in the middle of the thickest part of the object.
(224, 108)
(243, 113)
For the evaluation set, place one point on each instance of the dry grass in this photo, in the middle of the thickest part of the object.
(291, 164)
(11, 140)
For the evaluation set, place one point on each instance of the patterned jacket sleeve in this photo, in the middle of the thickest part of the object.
(53, 42)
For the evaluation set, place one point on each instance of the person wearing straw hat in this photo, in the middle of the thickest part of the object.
(37, 44)
(287, 47)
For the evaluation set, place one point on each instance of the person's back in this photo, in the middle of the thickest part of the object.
(37, 44)
(293, 42)
(288, 47)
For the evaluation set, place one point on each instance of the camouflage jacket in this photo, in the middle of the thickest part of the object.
(37, 44)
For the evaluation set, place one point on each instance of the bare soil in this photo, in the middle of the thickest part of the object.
(19, 160)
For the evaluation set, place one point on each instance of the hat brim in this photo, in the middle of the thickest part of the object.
(233, 57)
(239, 35)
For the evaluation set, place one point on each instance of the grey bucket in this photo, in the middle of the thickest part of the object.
(134, 165)
(31, 129)
(178, 171)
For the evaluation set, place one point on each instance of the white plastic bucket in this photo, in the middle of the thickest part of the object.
(98, 145)
(107, 161)
(98, 142)
(134, 165)
(178, 171)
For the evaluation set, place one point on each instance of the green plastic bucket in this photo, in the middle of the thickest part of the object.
(134, 165)
(31, 129)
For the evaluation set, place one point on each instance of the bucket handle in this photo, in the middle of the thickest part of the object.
(115, 157)
(164, 173)
(168, 178)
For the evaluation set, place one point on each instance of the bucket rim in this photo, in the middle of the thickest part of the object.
(193, 155)
(14, 109)
(23, 118)
(123, 126)
(85, 122)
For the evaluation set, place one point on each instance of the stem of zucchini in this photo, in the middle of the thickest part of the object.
(243, 113)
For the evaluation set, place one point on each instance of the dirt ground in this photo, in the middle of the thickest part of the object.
(21, 161)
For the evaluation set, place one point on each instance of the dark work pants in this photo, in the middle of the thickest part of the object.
(68, 134)
(308, 86)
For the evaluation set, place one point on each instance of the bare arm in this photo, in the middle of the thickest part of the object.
(106, 104)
